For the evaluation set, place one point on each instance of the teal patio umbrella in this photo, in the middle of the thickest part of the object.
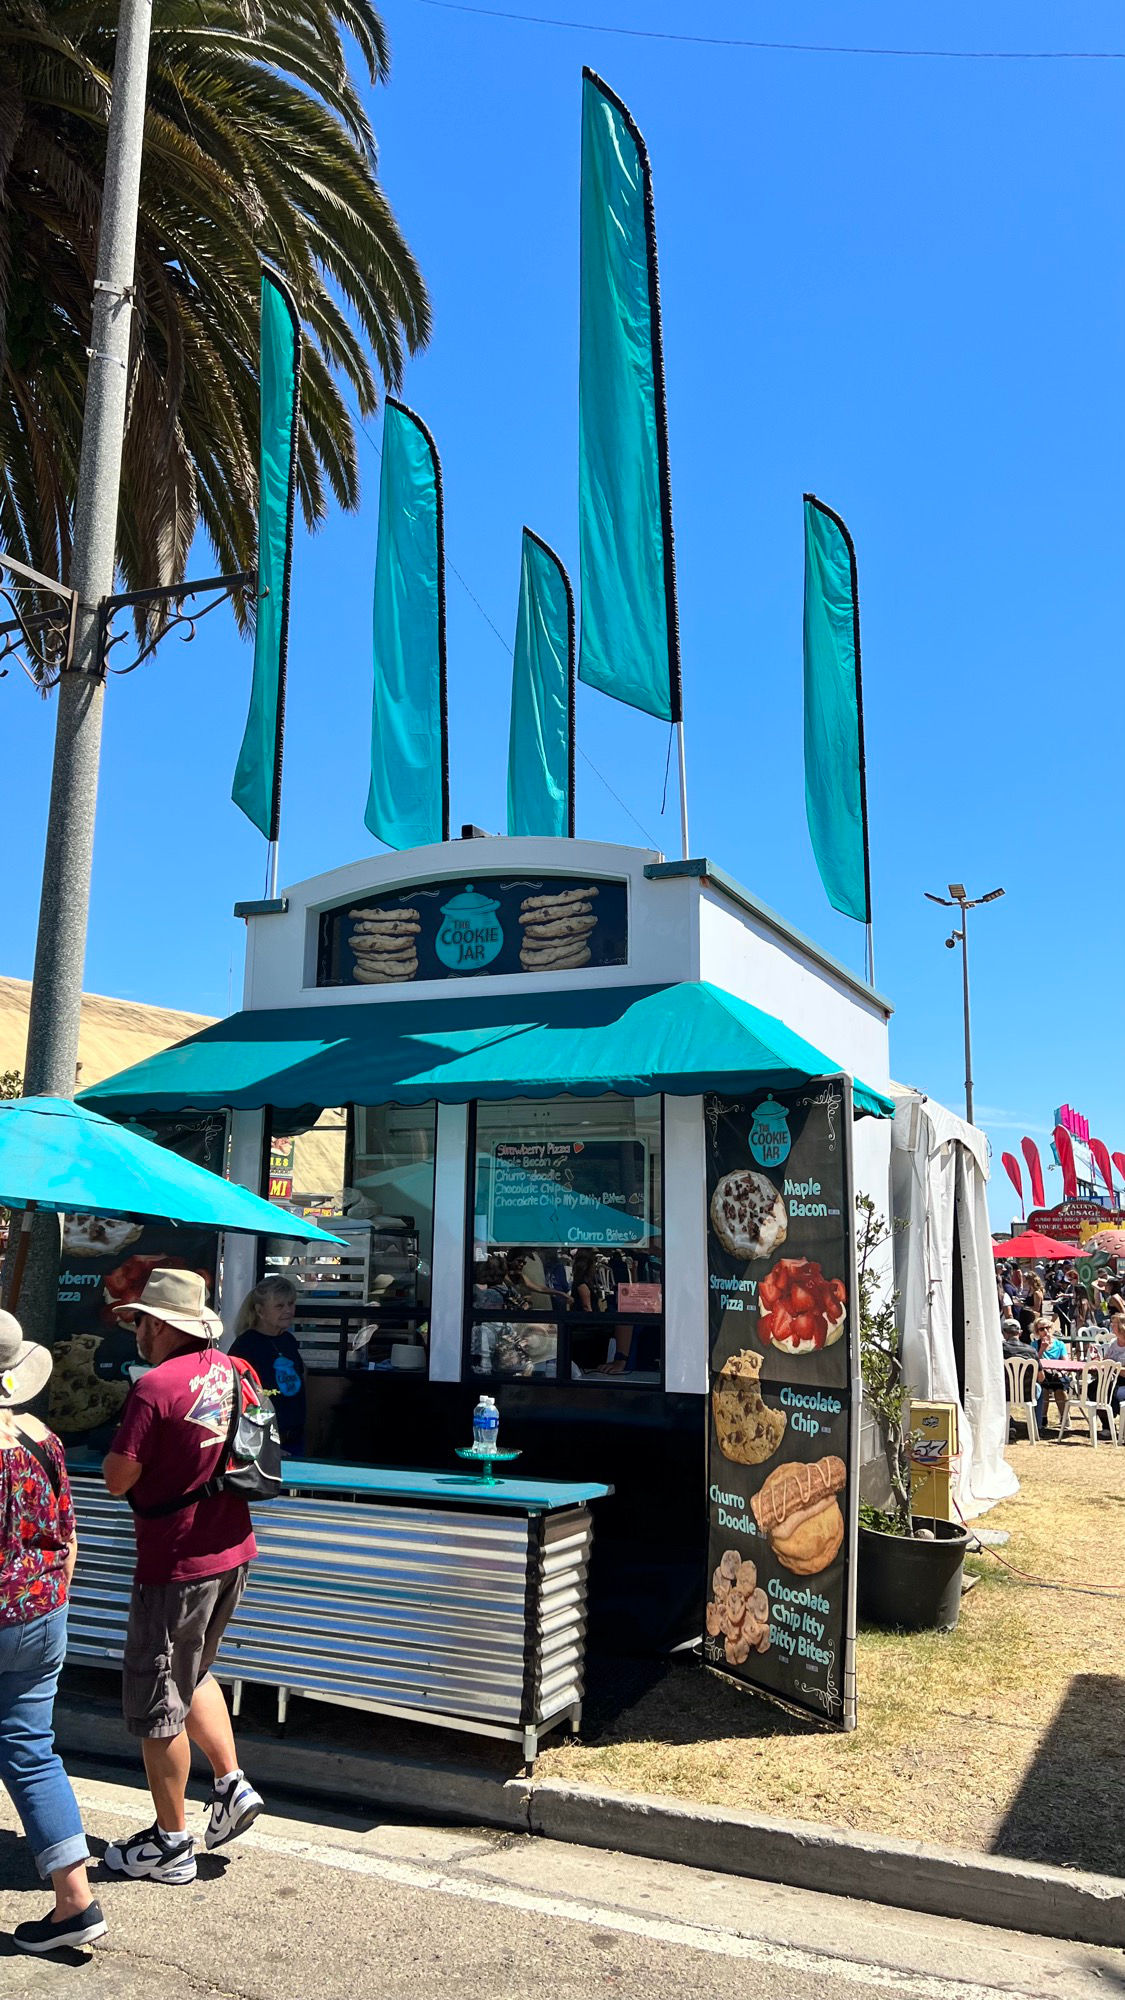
(55, 1154)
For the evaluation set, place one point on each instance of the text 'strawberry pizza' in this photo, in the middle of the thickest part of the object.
(799, 1309)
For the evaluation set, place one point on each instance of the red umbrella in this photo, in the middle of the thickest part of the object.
(1031, 1246)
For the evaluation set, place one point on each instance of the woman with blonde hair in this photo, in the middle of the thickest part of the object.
(264, 1337)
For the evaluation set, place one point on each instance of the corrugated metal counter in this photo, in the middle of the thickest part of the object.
(425, 1595)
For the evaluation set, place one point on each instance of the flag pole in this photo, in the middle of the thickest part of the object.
(683, 790)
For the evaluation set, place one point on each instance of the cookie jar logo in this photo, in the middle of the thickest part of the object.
(769, 1133)
(470, 934)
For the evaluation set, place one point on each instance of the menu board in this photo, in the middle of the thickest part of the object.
(457, 929)
(782, 1488)
(577, 1191)
(106, 1261)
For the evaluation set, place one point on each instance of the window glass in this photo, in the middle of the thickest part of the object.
(369, 1172)
(567, 1264)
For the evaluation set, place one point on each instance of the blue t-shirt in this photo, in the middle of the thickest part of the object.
(276, 1360)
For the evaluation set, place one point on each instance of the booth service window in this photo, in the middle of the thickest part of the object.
(368, 1171)
(566, 1279)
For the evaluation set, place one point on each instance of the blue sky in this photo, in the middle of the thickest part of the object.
(896, 282)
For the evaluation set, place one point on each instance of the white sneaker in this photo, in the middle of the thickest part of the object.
(232, 1811)
(150, 1854)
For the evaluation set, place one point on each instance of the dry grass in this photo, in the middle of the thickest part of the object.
(1007, 1735)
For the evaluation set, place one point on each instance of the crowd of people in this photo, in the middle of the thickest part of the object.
(581, 1283)
(1046, 1317)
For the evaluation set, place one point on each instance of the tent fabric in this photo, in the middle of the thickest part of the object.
(63, 1156)
(939, 1175)
(635, 1040)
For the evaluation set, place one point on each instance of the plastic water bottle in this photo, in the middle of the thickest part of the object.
(486, 1426)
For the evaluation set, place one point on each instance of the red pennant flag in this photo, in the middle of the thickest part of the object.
(1119, 1163)
(1012, 1169)
(1034, 1172)
(1100, 1151)
(1065, 1151)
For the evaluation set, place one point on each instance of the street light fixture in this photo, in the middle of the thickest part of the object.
(960, 900)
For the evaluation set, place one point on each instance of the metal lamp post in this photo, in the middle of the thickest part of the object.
(959, 900)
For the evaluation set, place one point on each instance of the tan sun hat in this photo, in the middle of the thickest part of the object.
(24, 1367)
(180, 1299)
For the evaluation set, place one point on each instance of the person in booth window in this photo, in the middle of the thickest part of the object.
(192, 1565)
(264, 1337)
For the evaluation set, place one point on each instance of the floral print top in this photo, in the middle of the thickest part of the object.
(35, 1533)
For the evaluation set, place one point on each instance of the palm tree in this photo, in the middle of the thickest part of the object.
(256, 144)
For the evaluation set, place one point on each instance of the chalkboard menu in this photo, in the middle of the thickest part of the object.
(459, 929)
(782, 1493)
(580, 1191)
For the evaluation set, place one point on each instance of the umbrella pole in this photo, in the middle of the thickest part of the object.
(21, 1256)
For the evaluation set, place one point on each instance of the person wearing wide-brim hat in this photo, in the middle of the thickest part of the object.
(193, 1557)
(37, 1554)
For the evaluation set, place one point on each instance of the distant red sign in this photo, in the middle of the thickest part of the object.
(1062, 1221)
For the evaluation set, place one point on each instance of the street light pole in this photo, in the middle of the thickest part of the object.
(60, 951)
(959, 900)
(965, 907)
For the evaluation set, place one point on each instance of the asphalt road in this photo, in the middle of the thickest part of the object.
(366, 1908)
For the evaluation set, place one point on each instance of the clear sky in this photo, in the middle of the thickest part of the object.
(896, 282)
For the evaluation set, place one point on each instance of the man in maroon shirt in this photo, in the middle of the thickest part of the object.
(191, 1571)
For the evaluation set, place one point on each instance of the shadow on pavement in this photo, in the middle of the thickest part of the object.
(1070, 1801)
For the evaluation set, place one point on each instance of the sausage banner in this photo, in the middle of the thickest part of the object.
(783, 1499)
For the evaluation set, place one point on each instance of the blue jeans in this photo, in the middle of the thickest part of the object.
(31, 1657)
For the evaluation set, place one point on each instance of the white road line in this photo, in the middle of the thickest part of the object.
(657, 1930)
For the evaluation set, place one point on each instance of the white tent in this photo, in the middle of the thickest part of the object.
(946, 1283)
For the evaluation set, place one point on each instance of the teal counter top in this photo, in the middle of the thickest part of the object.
(459, 1489)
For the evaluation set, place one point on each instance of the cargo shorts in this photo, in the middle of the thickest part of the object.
(175, 1630)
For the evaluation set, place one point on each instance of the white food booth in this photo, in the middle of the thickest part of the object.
(497, 1044)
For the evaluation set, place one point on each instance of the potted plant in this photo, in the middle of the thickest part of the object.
(910, 1566)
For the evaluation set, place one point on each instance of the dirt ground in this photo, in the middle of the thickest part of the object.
(1007, 1735)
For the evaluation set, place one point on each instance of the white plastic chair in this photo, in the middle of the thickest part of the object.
(1019, 1387)
(1107, 1375)
(1092, 1397)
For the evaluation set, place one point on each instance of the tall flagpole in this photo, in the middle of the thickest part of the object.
(683, 791)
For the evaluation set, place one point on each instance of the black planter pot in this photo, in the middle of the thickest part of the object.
(910, 1584)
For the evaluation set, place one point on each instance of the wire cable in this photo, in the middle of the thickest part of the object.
(785, 48)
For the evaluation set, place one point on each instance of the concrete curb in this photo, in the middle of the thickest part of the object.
(909, 1875)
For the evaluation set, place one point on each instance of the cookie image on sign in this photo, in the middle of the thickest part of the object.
(384, 945)
(797, 1509)
(747, 1431)
(748, 1214)
(738, 1609)
(556, 930)
(800, 1311)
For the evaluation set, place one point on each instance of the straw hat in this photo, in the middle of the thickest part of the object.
(24, 1367)
(180, 1299)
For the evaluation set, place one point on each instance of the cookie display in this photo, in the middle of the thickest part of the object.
(384, 945)
(800, 1310)
(748, 1214)
(798, 1510)
(738, 1610)
(556, 930)
(79, 1399)
(97, 1235)
(747, 1431)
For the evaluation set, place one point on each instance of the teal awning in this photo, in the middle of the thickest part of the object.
(637, 1040)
